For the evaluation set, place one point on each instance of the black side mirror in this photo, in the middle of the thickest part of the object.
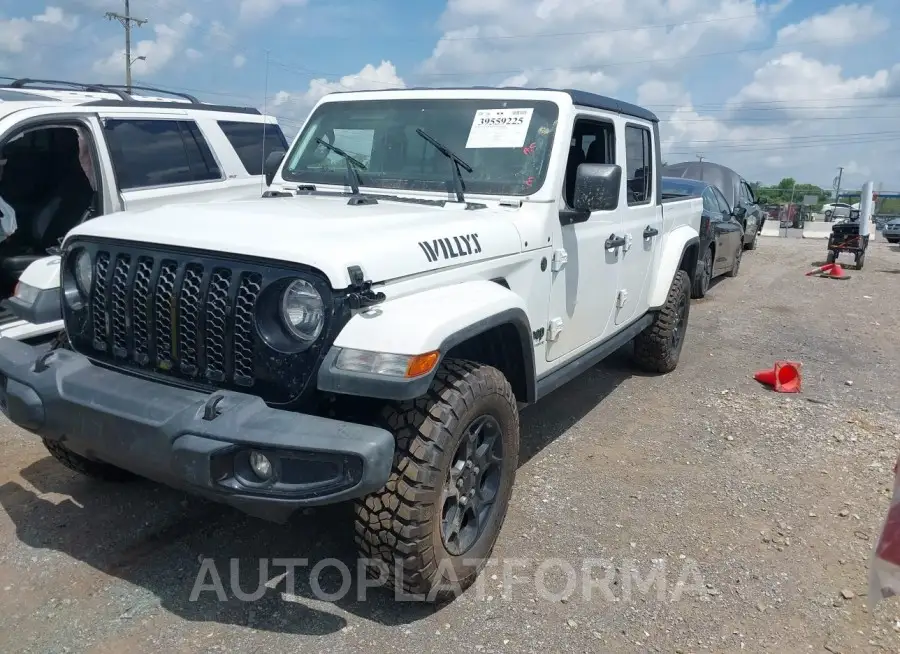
(740, 212)
(597, 187)
(273, 161)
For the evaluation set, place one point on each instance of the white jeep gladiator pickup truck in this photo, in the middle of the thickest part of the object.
(424, 264)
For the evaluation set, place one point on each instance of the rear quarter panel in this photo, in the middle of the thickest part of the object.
(681, 227)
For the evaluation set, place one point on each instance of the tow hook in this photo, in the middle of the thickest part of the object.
(361, 295)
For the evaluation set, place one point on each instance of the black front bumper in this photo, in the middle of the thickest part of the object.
(191, 440)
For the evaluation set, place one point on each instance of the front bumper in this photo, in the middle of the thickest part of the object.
(191, 440)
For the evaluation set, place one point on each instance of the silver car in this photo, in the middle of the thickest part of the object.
(891, 231)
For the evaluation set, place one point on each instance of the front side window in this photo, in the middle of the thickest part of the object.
(507, 144)
(710, 205)
(147, 153)
(723, 203)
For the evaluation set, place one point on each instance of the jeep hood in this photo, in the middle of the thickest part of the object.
(387, 240)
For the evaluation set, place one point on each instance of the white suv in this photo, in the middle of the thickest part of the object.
(70, 152)
(426, 262)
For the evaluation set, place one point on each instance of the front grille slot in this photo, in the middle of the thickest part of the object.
(177, 316)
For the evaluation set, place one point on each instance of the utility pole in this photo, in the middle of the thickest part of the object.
(127, 20)
(700, 157)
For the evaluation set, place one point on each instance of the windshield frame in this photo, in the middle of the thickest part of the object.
(439, 182)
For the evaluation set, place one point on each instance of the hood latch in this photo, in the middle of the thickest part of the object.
(361, 295)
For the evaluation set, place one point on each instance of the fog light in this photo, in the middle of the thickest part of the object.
(261, 465)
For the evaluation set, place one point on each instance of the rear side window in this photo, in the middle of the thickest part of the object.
(639, 162)
(251, 145)
(147, 153)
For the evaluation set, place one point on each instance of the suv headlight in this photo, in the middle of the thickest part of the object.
(303, 310)
(84, 272)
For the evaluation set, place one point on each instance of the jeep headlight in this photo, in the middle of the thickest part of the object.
(303, 310)
(84, 272)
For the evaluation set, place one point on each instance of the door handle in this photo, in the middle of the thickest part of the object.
(650, 232)
(614, 242)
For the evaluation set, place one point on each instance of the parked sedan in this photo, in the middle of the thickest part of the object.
(721, 232)
(891, 231)
(746, 206)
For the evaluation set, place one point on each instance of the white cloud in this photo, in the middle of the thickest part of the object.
(193, 54)
(259, 9)
(293, 107)
(17, 33)
(159, 52)
(238, 61)
(484, 40)
(218, 37)
(56, 16)
(793, 75)
(842, 24)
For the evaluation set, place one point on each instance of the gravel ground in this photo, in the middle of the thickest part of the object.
(763, 506)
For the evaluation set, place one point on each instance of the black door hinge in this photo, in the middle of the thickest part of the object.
(361, 294)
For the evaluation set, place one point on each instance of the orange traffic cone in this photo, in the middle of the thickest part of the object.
(837, 272)
(821, 269)
(784, 376)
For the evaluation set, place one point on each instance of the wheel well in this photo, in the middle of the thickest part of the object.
(500, 346)
(689, 260)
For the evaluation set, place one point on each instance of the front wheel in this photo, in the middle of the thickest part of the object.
(432, 528)
(752, 244)
(736, 264)
(703, 276)
(658, 347)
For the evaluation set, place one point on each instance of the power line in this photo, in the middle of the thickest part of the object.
(127, 20)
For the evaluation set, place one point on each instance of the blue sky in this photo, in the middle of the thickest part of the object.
(773, 88)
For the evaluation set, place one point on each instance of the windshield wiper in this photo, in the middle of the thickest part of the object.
(352, 174)
(455, 164)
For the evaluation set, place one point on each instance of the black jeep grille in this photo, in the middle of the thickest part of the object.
(189, 317)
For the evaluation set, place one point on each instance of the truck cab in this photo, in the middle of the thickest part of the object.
(424, 264)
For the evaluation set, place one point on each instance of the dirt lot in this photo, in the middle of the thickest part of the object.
(764, 505)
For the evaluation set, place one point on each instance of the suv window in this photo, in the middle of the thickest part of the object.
(251, 145)
(710, 205)
(746, 194)
(639, 164)
(723, 203)
(592, 142)
(149, 153)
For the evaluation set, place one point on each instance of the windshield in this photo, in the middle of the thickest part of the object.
(677, 187)
(505, 142)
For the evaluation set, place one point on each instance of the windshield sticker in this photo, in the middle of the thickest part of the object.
(499, 128)
(451, 248)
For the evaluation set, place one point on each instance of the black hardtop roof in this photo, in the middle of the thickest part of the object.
(581, 98)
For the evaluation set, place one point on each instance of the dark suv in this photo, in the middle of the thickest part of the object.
(736, 190)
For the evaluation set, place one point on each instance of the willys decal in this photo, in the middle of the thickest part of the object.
(451, 247)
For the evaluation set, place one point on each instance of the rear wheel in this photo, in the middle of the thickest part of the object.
(658, 347)
(431, 529)
(831, 257)
(87, 467)
(860, 260)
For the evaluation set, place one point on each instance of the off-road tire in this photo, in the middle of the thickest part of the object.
(88, 468)
(736, 266)
(399, 528)
(654, 350)
(702, 280)
(860, 261)
(831, 257)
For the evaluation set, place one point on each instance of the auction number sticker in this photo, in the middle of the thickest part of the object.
(499, 128)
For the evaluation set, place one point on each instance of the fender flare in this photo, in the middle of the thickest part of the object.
(434, 320)
(678, 246)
